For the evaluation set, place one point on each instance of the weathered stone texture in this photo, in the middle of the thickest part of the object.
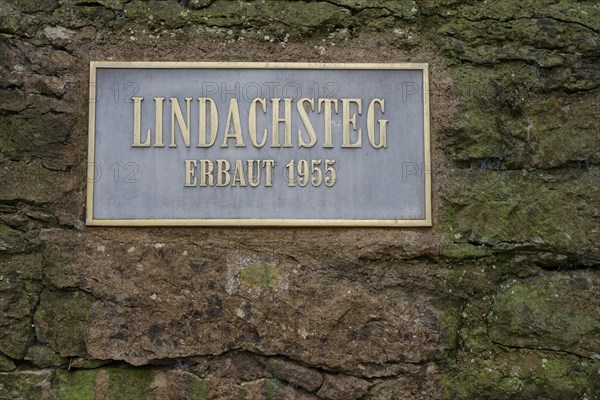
(295, 374)
(498, 300)
(549, 312)
(20, 277)
(61, 320)
(344, 387)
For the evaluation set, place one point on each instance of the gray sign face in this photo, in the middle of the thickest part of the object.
(259, 144)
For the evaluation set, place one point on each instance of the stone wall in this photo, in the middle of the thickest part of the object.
(500, 299)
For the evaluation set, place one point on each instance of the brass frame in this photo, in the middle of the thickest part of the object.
(426, 222)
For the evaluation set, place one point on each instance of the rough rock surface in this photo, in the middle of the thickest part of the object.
(498, 300)
(342, 387)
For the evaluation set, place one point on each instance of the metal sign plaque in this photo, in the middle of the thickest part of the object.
(269, 144)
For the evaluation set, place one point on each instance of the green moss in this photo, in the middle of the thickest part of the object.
(491, 119)
(506, 110)
(522, 374)
(559, 130)
(43, 357)
(10, 19)
(274, 389)
(75, 385)
(197, 390)
(274, 17)
(20, 284)
(513, 207)
(15, 337)
(449, 321)
(26, 385)
(31, 133)
(514, 35)
(61, 320)
(555, 311)
(59, 262)
(259, 275)
(170, 14)
(75, 16)
(6, 364)
(469, 384)
(461, 251)
(15, 100)
(129, 383)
